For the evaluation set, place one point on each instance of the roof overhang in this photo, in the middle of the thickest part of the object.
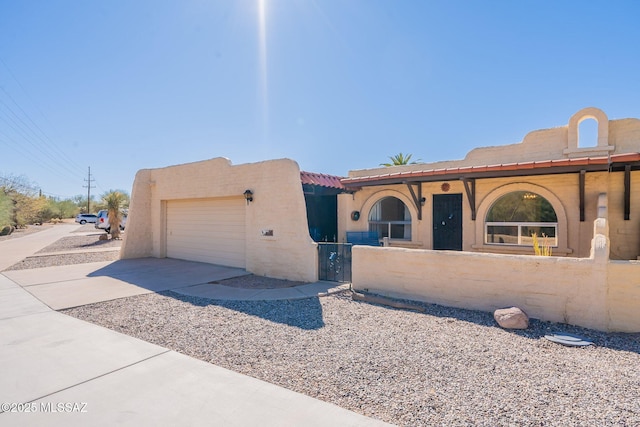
(321, 179)
(546, 167)
(322, 184)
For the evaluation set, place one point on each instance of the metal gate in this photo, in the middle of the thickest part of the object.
(334, 262)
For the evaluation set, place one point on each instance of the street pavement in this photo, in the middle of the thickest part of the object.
(56, 370)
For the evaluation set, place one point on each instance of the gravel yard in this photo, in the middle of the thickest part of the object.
(443, 367)
(64, 259)
(78, 244)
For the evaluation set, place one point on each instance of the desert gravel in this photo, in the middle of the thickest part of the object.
(57, 254)
(76, 243)
(443, 367)
(64, 259)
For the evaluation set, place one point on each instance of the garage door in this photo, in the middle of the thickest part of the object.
(207, 230)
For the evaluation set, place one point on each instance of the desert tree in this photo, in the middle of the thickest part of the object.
(114, 202)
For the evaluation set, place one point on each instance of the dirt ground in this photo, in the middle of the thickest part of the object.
(257, 282)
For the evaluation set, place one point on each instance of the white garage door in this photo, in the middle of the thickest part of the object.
(207, 230)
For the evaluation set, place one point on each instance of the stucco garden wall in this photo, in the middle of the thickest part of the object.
(278, 205)
(591, 292)
(624, 295)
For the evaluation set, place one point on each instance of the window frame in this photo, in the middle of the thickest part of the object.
(529, 184)
(519, 225)
(390, 223)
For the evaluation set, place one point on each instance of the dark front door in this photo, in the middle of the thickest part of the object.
(447, 221)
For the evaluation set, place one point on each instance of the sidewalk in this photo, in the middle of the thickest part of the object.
(61, 371)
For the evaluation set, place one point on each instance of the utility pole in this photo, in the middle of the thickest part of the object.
(89, 187)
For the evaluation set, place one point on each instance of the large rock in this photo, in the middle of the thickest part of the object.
(511, 318)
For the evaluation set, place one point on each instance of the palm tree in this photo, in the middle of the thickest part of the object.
(398, 160)
(114, 201)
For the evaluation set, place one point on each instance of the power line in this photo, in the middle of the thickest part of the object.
(56, 196)
(20, 128)
(40, 147)
(50, 144)
(33, 103)
(33, 155)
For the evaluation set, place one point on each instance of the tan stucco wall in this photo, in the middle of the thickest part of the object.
(278, 205)
(624, 296)
(547, 288)
(625, 234)
(590, 292)
(624, 134)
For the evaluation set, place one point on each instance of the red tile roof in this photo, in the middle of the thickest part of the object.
(487, 171)
(321, 179)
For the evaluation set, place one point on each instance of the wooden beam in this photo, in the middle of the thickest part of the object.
(470, 189)
(583, 174)
(627, 192)
(417, 198)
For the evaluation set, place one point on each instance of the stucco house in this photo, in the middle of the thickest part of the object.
(496, 197)
(250, 216)
(458, 233)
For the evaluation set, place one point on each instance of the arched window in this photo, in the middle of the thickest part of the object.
(390, 218)
(516, 216)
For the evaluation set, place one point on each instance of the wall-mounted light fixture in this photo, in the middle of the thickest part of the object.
(248, 196)
(423, 201)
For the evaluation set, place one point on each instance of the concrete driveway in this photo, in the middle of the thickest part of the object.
(75, 285)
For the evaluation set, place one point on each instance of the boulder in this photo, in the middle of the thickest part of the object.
(511, 318)
(103, 237)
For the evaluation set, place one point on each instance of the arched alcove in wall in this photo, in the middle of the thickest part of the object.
(588, 117)
(588, 133)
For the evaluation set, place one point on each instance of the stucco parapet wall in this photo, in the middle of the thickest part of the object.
(538, 145)
(170, 181)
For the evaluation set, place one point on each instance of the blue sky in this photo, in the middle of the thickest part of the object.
(335, 85)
